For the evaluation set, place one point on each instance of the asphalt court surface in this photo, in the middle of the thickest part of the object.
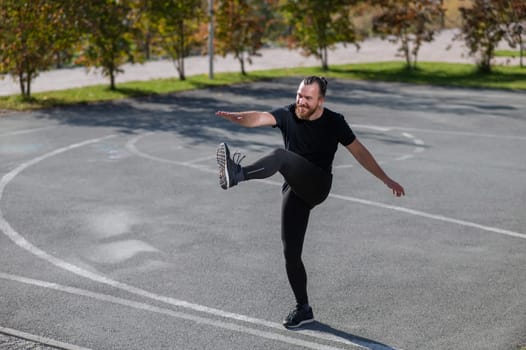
(115, 233)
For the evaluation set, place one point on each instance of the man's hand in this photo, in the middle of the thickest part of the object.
(249, 119)
(366, 159)
(398, 190)
(233, 117)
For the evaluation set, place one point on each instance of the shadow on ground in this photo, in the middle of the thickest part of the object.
(347, 337)
(192, 113)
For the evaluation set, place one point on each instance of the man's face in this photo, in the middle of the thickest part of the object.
(308, 100)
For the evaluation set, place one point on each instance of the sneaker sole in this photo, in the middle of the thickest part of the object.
(299, 324)
(221, 157)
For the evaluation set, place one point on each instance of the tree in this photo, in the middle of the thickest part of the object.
(240, 28)
(31, 33)
(317, 25)
(482, 30)
(108, 40)
(176, 23)
(410, 22)
(515, 14)
(146, 40)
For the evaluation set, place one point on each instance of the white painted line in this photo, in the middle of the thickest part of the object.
(431, 216)
(373, 127)
(405, 157)
(38, 339)
(198, 160)
(130, 145)
(413, 212)
(417, 213)
(343, 166)
(418, 142)
(454, 132)
(9, 176)
(23, 243)
(176, 314)
(26, 131)
(20, 241)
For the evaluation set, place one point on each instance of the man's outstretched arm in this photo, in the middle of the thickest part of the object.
(366, 159)
(250, 119)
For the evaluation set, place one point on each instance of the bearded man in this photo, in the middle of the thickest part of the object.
(311, 134)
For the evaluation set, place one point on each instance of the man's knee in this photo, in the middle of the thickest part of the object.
(279, 153)
(292, 257)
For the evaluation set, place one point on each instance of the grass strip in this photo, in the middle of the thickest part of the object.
(428, 73)
(507, 53)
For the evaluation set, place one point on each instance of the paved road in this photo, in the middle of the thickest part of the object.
(115, 234)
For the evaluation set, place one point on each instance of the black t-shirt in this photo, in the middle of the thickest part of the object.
(315, 140)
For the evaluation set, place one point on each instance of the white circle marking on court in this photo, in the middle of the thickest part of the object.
(419, 145)
(20, 241)
(176, 314)
(131, 145)
(23, 243)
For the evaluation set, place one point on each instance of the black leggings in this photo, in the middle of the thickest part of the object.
(306, 186)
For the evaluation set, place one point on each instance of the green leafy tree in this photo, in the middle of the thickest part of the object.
(410, 23)
(515, 14)
(108, 42)
(240, 28)
(31, 33)
(483, 27)
(317, 25)
(275, 25)
(176, 22)
(146, 40)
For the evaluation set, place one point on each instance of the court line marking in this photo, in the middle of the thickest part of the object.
(38, 339)
(433, 131)
(418, 213)
(418, 143)
(168, 312)
(199, 160)
(430, 216)
(23, 243)
(4, 226)
(26, 131)
(130, 145)
(133, 149)
(20, 241)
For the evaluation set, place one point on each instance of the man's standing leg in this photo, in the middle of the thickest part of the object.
(294, 219)
(307, 186)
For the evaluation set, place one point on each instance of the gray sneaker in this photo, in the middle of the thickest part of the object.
(230, 171)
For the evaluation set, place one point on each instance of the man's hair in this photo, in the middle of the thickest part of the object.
(321, 81)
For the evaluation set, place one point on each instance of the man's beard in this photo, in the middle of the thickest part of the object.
(304, 112)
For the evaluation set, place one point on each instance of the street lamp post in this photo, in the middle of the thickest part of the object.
(211, 39)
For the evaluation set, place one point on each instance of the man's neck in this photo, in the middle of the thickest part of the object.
(317, 114)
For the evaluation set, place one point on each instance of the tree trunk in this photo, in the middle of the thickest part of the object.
(112, 79)
(180, 68)
(521, 51)
(242, 62)
(28, 85)
(147, 41)
(324, 58)
(415, 50)
(406, 50)
(182, 74)
(22, 85)
(486, 60)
